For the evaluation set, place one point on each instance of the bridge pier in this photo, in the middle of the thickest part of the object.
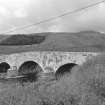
(13, 71)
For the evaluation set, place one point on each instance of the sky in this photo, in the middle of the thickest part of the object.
(18, 13)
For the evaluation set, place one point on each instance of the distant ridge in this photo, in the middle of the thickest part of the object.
(53, 41)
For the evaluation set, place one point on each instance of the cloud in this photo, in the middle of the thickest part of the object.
(89, 19)
(20, 13)
(16, 8)
(4, 11)
(23, 12)
(92, 18)
(55, 28)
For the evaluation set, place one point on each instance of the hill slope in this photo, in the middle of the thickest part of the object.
(81, 41)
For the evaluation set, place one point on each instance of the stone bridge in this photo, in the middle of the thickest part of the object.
(46, 59)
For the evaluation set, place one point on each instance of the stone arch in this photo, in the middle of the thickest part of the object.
(30, 70)
(64, 69)
(4, 66)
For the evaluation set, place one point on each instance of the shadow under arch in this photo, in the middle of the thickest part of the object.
(64, 69)
(4, 66)
(29, 70)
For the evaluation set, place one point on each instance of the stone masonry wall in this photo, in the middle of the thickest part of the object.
(47, 59)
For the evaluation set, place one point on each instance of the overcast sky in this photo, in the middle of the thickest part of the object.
(16, 13)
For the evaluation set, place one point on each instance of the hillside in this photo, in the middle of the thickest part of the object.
(22, 40)
(81, 41)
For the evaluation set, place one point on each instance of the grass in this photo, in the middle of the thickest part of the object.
(84, 86)
(88, 41)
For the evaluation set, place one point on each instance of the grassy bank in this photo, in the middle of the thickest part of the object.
(85, 86)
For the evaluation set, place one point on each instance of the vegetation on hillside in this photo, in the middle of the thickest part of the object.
(50, 41)
(87, 41)
(23, 40)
